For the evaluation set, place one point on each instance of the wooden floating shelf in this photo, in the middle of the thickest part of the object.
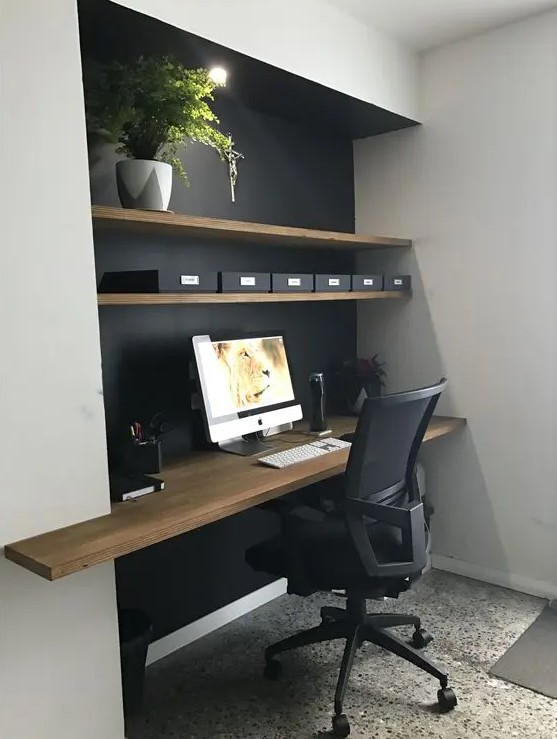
(188, 299)
(256, 233)
(203, 488)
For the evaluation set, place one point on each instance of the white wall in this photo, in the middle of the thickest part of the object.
(476, 186)
(59, 669)
(311, 38)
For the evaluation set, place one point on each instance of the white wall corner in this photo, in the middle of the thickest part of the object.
(59, 665)
(509, 580)
(474, 188)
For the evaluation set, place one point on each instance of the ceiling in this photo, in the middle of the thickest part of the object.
(425, 24)
(110, 31)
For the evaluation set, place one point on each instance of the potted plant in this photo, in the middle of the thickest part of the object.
(149, 107)
(358, 379)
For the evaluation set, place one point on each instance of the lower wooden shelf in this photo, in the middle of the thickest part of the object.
(203, 488)
(189, 298)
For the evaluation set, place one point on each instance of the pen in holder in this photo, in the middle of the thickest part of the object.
(145, 455)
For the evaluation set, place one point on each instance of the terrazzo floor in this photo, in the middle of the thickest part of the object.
(214, 688)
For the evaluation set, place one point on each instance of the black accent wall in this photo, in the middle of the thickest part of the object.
(288, 177)
(293, 174)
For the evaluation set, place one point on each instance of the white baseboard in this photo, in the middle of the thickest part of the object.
(213, 621)
(495, 577)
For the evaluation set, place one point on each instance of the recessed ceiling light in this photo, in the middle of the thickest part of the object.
(218, 75)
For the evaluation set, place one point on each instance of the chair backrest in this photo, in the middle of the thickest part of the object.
(380, 483)
(385, 447)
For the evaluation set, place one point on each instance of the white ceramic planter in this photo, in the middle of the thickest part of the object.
(143, 183)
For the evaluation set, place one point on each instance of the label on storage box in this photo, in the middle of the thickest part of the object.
(368, 280)
(294, 282)
(397, 281)
(247, 281)
(189, 279)
(334, 282)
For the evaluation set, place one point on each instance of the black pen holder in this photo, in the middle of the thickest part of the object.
(146, 457)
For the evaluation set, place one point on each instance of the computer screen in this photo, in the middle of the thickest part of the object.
(246, 388)
(245, 374)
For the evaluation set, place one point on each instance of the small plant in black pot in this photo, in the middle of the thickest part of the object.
(357, 379)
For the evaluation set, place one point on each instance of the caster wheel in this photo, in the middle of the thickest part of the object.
(273, 670)
(421, 638)
(447, 700)
(341, 727)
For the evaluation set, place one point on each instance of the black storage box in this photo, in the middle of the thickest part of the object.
(397, 282)
(158, 281)
(367, 283)
(245, 282)
(292, 283)
(332, 283)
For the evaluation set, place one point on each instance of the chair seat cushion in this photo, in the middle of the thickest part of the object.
(324, 549)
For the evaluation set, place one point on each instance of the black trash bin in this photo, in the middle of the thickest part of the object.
(136, 632)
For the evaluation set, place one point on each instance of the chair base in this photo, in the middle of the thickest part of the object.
(356, 626)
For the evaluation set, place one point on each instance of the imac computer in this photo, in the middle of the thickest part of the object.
(246, 388)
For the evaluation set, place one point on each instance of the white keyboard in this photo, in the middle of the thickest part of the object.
(303, 453)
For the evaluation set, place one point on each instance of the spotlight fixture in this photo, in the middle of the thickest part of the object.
(218, 75)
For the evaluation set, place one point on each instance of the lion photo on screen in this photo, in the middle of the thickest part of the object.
(254, 371)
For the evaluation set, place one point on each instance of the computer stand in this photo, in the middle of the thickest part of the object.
(246, 446)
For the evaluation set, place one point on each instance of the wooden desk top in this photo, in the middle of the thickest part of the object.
(204, 488)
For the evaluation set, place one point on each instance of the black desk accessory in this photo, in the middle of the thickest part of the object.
(318, 423)
(146, 457)
(126, 487)
(145, 451)
(159, 281)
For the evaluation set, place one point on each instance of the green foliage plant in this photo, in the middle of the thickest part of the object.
(149, 107)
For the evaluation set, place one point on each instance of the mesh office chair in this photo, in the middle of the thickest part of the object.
(371, 545)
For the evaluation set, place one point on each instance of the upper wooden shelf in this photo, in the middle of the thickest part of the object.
(196, 298)
(259, 233)
(203, 488)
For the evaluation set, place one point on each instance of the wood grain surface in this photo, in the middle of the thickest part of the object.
(258, 233)
(205, 487)
(196, 298)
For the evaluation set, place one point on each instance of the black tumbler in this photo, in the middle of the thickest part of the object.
(317, 388)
